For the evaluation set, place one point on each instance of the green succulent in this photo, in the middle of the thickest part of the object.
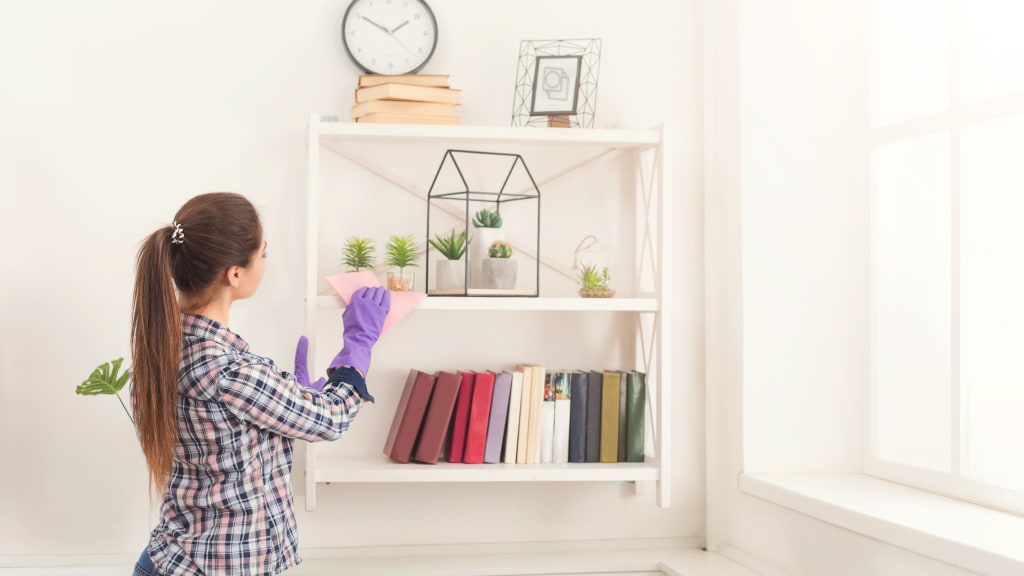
(106, 380)
(487, 219)
(591, 279)
(451, 246)
(401, 251)
(500, 249)
(359, 254)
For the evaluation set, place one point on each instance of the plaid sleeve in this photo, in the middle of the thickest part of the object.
(258, 393)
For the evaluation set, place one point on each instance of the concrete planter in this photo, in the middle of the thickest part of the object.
(498, 273)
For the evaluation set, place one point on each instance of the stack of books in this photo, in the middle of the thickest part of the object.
(529, 415)
(406, 99)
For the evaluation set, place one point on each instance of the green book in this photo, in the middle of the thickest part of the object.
(610, 417)
(636, 402)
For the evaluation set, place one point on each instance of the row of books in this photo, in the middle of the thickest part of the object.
(406, 99)
(524, 416)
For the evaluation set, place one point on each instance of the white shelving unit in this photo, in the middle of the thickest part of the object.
(648, 301)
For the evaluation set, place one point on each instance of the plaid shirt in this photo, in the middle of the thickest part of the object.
(228, 507)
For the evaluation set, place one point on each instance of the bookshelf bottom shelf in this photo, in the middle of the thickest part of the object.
(352, 471)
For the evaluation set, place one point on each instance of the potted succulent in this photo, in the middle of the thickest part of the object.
(359, 254)
(451, 273)
(401, 252)
(594, 283)
(488, 230)
(498, 270)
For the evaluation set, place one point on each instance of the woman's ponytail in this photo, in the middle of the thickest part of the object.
(156, 355)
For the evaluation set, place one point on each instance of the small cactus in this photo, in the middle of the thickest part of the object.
(500, 249)
(487, 219)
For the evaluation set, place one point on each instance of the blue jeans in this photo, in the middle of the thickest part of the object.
(144, 566)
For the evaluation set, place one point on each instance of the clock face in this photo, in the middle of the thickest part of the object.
(389, 36)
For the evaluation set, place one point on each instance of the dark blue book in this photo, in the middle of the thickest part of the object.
(578, 394)
(594, 379)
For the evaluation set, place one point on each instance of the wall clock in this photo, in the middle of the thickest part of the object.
(389, 36)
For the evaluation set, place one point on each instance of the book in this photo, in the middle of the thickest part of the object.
(440, 80)
(536, 399)
(402, 107)
(403, 402)
(636, 396)
(610, 416)
(437, 419)
(622, 418)
(479, 416)
(594, 416)
(412, 418)
(515, 402)
(546, 421)
(389, 118)
(579, 393)
(394, 91)
(560, 383)
(460, 420)
(496, 420)
(525, 406)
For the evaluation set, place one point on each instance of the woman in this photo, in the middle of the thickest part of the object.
(216, 421)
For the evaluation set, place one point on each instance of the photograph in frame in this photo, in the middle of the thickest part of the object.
(556, 85)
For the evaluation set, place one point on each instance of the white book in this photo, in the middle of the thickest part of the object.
(547, 431)
(560, 386)
(536, 399)
(515, 400)
(526, 404)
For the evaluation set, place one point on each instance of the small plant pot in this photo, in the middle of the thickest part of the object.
(498, 273)
(400, 281)
(451, 274)
(597, 293)
(482, 238)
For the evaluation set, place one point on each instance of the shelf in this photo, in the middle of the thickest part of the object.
(521, 304)
(404, 133)
(380, 469)
(403, 156)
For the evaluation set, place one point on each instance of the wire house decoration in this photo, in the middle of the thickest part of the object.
(466, 183)
(589, 52)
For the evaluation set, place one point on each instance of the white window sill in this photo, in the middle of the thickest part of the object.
(972, 537)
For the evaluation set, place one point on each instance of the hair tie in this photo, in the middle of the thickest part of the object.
(178, 236)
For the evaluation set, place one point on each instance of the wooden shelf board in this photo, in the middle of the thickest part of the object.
(497, 303)
(384, 470)
(338, 131)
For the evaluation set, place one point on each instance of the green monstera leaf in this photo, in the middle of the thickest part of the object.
(106, 380)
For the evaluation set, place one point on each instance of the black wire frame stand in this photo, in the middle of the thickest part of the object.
(529, 50)
(473, 200)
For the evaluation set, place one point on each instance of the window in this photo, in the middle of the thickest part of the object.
(947, 248)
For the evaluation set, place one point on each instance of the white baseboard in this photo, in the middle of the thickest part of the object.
(750, 562)
(623, 557)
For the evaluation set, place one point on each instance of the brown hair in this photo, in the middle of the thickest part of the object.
(217, 231)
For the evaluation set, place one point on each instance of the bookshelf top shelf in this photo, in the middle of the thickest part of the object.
(330, 130)
(522, 304)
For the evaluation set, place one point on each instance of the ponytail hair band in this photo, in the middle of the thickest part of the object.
(178, 236)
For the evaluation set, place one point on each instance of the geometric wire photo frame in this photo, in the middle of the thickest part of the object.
(529, 76)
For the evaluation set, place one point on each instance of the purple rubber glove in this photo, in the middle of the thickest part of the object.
(363, 319)
(302, 366)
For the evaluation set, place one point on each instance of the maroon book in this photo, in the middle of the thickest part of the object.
(439, 414)
(415, 410)
(399, 412)
(460, 423)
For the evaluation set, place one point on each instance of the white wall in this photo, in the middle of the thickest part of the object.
(113, 113)
(787, 276)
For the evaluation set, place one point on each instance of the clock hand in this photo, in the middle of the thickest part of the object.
(377, 25)
(396, 28)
